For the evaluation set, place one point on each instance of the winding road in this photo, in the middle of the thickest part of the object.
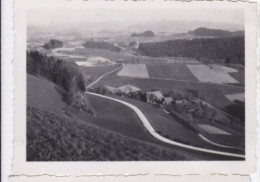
(149, 127)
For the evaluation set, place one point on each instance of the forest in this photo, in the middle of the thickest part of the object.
(225, 50)
(101, 45)
(215, 32)
(143, 34)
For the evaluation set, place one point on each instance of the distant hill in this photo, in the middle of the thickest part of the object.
(143, 34)
(215, 32)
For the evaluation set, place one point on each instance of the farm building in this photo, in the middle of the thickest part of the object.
(110, 90)
(126, 89)
(167, 100)
(199, 101)
(181, 102)
(184, 105)
(154, 96)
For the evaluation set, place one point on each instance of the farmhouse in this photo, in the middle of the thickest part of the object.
(181, 102)
(110, 90)
(199, 101)
(167, 100)
(126, 89)
(154, 96)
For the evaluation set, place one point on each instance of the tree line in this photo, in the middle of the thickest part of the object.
(64, 74)
(53, 43)
(101, 45)
(225, 50)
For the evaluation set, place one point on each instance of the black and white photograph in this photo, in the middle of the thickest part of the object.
(149, 84)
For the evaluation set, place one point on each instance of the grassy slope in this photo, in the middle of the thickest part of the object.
(51, 135)
(239, 76)
(114, 116)
(171, 127)
(42, 94)
(214, 94)
(170, 71)
(117, 117)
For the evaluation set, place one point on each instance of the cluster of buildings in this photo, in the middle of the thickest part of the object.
(154, 97)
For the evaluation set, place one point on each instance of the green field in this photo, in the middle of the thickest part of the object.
(170, 71)
(214, 94)
(117, 117)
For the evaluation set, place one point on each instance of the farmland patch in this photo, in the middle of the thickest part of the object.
(170, 71)
(134, 70)
(233, 97)
(94, 61)
(204, 74)
(212, 129)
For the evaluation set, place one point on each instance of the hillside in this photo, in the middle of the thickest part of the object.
(223, 50)
(66, 75)
(143, 34)
(207, 32)
(43, 94)
(58, 132)
(52, 137)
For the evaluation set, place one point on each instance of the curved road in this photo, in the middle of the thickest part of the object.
(152, 131)
(149, 127)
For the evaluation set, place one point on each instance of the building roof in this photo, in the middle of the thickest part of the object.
(157, 94)
(128, 88)
(110, 88)
(181, 102)
(168, 99)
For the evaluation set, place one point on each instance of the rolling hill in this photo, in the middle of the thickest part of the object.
(207, 32)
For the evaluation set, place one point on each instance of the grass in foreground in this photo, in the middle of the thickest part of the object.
(52, 137)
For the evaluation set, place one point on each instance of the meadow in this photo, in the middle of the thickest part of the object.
(134, 70)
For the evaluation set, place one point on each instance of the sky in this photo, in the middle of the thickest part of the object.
(128, 15)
